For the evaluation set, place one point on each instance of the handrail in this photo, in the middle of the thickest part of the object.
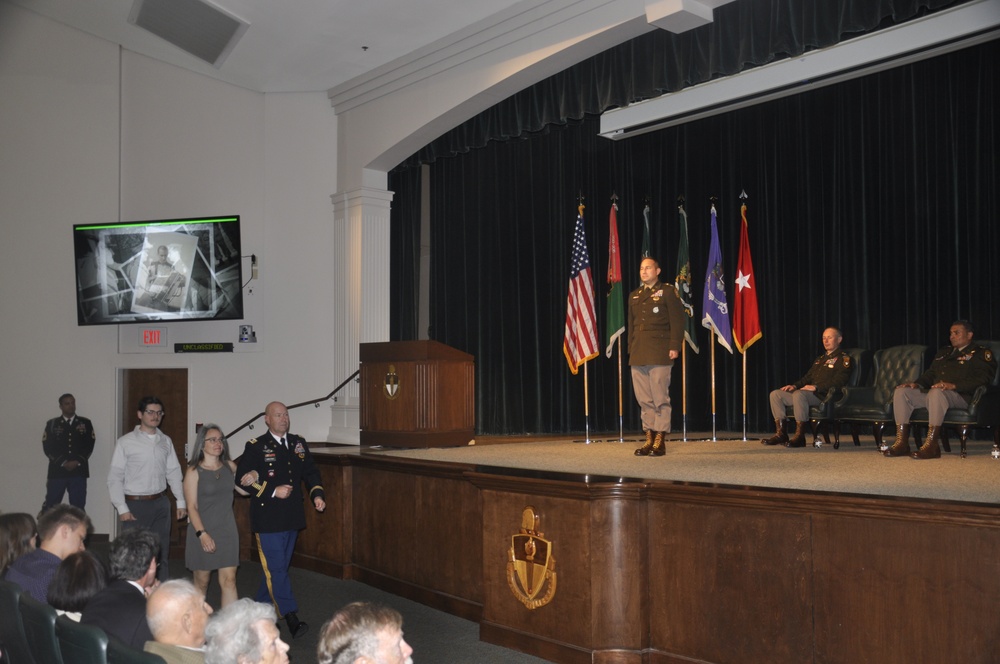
(297, 405)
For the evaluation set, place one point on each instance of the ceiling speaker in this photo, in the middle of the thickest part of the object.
(200, 28)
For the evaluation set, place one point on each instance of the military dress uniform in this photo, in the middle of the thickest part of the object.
(967, 368)
(67, 440)
(829, 371)
(655, 327)
(276, 521)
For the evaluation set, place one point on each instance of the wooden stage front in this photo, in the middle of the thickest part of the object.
(664, 571)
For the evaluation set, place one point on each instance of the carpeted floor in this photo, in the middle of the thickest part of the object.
(732, 461)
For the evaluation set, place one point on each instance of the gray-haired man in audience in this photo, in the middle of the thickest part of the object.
(177, 614)
(363, 633)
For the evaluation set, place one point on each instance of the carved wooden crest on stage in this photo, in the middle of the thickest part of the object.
(391, 383)
(531, 565)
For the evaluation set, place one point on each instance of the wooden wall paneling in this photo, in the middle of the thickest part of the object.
(325, 545)
(728, 584)
(599, 569)
(906, 590)
(619, 573)
(421, 529)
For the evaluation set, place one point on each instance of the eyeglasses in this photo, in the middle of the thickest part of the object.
(214, 440)
(154, 412)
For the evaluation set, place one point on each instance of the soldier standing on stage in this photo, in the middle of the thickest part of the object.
(951, 380)
(68, 442)
(655, 335)
(830, 371)
(275, 466)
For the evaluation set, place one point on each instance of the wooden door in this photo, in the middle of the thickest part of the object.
(171, 387)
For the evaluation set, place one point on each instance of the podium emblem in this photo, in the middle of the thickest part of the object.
(391, 385)
(531, 567)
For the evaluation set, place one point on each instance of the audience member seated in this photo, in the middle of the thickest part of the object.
(244, 632)
(79, 577)
(177, 614)
(62, 530)
(17, 537)
(120, 609)
(363, 633)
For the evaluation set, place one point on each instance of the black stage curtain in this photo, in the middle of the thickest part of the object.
(743, 35)
(872, 207)
(404, 254)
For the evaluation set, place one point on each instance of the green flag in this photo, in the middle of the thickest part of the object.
(682, 282)
(616, 308)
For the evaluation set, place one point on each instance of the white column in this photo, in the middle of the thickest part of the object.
(361, 219)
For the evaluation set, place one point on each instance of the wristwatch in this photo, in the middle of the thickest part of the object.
(198, 533)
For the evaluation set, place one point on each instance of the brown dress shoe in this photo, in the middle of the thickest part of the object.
(930, 448)
(659, 449)
(647, 447)
(798, 439)
(902, 445)
(779, 437)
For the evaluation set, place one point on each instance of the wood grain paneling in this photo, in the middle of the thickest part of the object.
(433, 403)
(671, 572)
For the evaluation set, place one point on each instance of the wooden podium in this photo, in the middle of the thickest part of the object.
(416, 394)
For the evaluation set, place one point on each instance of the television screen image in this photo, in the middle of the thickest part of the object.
(165, 270)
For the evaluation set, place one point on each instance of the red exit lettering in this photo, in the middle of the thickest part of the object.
(151, 337)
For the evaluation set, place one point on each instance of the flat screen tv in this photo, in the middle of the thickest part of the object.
(164, 270)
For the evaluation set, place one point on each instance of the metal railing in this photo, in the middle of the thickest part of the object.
(316, 402)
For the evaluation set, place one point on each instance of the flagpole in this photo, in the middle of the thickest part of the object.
(684, 391)
(744, 396)
(621, 403)
(586, 402)
(711, 341)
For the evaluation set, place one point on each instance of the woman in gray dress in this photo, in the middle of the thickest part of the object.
(213, 542)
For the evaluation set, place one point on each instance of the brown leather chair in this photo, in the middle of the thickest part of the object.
(820, 416)
(983, 411)
(873, 403)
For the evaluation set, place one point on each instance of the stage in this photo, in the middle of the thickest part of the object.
(720, 551)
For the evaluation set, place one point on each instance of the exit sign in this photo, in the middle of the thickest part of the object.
(152, 336)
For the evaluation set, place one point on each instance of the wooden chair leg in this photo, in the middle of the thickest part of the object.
(963, 436)
(836, 436)
(877, 428)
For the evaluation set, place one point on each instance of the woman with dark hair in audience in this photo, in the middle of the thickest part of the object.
(213, 542)
(79, 577)
(17, 537)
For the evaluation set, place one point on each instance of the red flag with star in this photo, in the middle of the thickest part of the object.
(746, 319)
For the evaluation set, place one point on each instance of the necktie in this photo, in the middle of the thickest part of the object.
(283, 443)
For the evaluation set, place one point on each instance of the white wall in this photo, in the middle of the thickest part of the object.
(89, 133)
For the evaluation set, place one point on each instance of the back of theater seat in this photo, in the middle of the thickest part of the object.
(40, 627)
(81, 644)
(12, 636)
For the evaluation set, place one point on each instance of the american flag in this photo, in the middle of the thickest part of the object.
(580, 341)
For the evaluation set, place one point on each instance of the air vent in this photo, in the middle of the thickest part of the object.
(200, 28)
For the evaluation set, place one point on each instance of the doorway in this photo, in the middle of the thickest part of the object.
(171, 387)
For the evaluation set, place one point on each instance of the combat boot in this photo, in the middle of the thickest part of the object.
(930, 449)
(779, 437)
(647, 447)
(659, 449)
(902, 445)
(798, 439)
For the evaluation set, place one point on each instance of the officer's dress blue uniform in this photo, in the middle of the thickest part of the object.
(276, 521)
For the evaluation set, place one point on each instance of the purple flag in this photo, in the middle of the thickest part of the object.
(714, 303)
